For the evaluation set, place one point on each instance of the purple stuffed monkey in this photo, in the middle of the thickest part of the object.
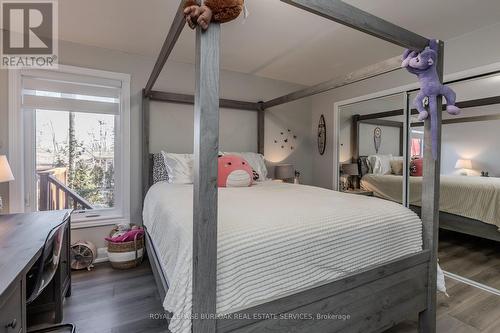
(423, 64)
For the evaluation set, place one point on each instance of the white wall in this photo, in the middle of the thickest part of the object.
(475, 49)
(178, 77)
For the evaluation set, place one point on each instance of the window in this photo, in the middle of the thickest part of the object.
(75, 125)
(417, 143)
(417, 148)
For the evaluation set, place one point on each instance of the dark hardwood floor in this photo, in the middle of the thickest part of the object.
(110, 301)
(105, 300)
(471, 257)
(468, 309)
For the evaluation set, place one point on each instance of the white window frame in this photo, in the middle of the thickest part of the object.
(21, 190)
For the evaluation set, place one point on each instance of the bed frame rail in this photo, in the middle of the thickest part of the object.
(154, 259)
(380, 288)
(175, 31)
(353, 17)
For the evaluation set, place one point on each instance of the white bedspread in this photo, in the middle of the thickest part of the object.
(476, 198)
(274, 240)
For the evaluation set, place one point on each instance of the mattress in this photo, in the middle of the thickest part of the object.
(476, 198)
(274, 239)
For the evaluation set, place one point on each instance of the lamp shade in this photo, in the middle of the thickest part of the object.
(463, 164)
(350, 169)
(5, 171)
(284, 171)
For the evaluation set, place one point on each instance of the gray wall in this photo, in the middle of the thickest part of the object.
(390, 136)
(481, 146)
(390, 140)
(461, 53)
(177, 77)
(172, 129)
(4, 133)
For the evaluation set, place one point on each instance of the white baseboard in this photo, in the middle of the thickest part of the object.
(102, 255)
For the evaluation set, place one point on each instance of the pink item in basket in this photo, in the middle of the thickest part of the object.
(129, 236)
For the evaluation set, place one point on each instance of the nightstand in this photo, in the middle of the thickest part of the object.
(359, 191)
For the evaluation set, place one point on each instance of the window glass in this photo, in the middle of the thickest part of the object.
(76, 151)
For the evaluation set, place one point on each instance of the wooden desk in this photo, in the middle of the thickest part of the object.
(22, 237)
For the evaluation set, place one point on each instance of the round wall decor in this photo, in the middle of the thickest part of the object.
(322, 135)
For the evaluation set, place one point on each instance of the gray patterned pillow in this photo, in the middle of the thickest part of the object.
(160, 173)
(364, 165)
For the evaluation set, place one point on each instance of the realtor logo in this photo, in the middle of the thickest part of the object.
(29, 34)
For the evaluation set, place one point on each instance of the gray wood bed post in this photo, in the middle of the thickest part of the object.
(355, 138)
(145, 145)
(206, 149)
(261, 123)
(430, 208)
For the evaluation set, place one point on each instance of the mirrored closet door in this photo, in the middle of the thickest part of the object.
(380, 154)
(470, 182)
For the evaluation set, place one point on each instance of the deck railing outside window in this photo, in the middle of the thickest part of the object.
(54, 194)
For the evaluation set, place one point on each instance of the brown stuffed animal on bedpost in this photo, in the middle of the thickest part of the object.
(221, 11)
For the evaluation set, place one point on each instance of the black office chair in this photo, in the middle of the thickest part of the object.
(42, 273)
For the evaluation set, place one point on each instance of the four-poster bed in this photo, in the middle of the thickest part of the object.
(377, 296)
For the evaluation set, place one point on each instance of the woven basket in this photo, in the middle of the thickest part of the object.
(126, 255)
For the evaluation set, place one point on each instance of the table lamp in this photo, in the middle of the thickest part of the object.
(5, 174)
(463, 165)
(284, 172)
(351, 170)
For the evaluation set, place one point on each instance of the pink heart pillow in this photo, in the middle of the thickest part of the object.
(234, 171)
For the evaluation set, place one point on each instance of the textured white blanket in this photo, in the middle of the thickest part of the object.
(477, 198)
(275, 240)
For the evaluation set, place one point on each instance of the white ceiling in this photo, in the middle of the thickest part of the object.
(277, 41)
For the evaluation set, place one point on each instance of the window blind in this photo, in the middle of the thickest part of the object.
(70, 92)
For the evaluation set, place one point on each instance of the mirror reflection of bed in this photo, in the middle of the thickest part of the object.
(389, 166)
(363, 133)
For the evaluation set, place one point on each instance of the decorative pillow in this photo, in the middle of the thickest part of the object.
(380, 164)
(256, 161)
(160, 173)
(234, 171)
(179, 168)
(256, 176)
(372, 162)
(364, 165)
(417, 167)
(397, 167)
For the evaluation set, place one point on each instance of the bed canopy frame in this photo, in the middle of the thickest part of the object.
(377, 297)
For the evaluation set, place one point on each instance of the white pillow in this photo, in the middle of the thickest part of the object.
(179, 168)
(256, 161)
(380, 164)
